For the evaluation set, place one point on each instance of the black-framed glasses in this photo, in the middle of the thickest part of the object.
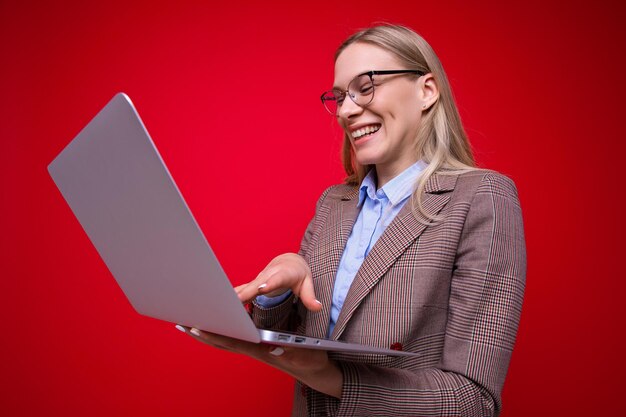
(360, 90)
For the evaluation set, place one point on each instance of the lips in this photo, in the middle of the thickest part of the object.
(365, 130)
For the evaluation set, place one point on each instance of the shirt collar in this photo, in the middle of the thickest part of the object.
(368, 187)
(396, 190)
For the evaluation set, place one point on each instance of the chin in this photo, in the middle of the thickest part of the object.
(367, 159)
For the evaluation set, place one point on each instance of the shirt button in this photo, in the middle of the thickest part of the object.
(396, 346)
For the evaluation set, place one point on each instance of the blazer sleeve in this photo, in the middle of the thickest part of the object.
(483, 314)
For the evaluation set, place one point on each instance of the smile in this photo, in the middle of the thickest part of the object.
(367, 130)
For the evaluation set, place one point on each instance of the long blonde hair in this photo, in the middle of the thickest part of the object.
(441, 140)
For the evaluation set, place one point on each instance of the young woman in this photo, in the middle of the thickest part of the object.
(419, 251)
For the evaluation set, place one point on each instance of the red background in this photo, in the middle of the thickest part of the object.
(230, 95)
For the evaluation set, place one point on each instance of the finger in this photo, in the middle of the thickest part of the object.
(279, 280)
(215, 340)
(247, 292)
(275, 283)
(277, 351)
(307, 295)
(200, 335)
(270, 279)
(239, 289)
(266, 283)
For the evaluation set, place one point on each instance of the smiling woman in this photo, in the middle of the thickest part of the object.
(440, 139)
(419, 251)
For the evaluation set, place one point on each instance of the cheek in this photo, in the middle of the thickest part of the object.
(401, 118)
(408, 116)
(404, 109)
(342, 123)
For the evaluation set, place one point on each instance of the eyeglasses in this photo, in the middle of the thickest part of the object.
(360, 90)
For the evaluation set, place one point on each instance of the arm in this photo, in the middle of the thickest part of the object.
(311, 367)
(287, 272)
(483, 314)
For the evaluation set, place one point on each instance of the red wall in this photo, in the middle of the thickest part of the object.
(230, 95)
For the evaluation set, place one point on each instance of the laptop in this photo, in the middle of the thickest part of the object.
(120, 190)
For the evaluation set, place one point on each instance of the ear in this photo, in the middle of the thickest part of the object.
(429, 91)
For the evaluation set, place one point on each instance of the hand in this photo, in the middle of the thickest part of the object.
(311, 367)
(288, 271)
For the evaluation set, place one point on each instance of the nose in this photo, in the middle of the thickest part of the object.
(349, 109)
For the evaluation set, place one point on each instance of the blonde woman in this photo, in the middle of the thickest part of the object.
(419, 251)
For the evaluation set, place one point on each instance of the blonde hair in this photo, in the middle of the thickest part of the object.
(441, 140)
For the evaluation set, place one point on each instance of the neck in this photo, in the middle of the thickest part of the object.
(385, 173)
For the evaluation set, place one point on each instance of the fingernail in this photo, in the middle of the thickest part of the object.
(263, 285)
(194, 332)
(277, 351)
(318, 301)
(181, 328)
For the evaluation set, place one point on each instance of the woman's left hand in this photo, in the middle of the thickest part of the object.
(309, 366)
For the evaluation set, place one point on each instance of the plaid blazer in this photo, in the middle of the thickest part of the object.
(451, 291)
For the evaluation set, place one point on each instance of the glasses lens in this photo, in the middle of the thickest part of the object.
(330, 100)
(361, 89)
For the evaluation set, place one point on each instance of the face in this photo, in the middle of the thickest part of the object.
(384, 132)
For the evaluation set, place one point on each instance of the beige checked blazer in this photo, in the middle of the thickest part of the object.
(451, 291)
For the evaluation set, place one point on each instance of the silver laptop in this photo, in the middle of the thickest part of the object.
(123, 195)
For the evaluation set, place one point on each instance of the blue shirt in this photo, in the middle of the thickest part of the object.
(378, 209)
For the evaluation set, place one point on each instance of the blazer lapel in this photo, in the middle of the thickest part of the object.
(399, 235)
(335, 238)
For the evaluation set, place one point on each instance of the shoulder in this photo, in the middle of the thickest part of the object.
(337, 192)
(483, 181)
(327, 204)
(488, 200)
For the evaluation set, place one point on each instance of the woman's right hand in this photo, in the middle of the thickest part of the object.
(285, 272)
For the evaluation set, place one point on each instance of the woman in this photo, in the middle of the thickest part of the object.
(419, 251)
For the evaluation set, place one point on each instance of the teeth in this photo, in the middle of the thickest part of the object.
(365, 130)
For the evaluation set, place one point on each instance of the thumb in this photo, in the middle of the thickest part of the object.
(307, 295)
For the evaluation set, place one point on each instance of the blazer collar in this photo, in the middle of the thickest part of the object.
(399, 235)
(437, 183)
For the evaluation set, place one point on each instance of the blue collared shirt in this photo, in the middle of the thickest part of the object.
(378, 208)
